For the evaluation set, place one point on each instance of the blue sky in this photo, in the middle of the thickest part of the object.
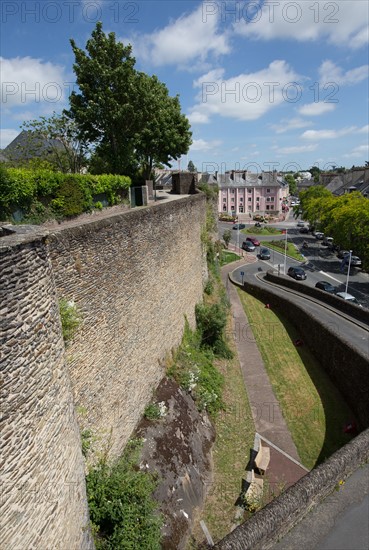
(266, 84)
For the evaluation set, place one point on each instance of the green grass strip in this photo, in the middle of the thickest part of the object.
(312, 406)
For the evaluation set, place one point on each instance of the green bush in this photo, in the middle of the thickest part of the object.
(70, 319)
(122, 510)
(193, 370)
(152, 411)
(62, 194)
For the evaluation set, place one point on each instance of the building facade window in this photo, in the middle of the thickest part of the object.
(268, 190)
(224, 200)
(240, 208)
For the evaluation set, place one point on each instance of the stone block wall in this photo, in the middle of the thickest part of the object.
(43, 498)
(134, 277)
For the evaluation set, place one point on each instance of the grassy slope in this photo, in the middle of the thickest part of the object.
(312, 406)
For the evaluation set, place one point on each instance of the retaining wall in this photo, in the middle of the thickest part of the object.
(43, 502)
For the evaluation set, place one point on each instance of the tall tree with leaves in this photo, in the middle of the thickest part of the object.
(128, 115)
(163, 132)
(103, 109)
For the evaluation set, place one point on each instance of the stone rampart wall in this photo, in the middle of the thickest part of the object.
(134, 277)
(43, 498)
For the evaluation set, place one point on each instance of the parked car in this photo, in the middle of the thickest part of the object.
(304, 230)
(349, 298)
(300, 224)
(248, 246)
(253, 240)
(264, 254)
(327, 287)
(355, 260)
(327, 241)
(239, 226)
(296, 273)
(342, 253)
(319, 235)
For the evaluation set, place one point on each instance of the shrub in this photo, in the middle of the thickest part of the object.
(70, 319)
(62, 194)
(193, 370)
(122, 510)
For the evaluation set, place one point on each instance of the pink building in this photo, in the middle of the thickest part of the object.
(242, 192)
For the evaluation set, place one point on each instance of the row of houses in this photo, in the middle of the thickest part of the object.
(245, 194)
(242, 193)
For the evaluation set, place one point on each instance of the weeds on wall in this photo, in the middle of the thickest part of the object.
(70, 319)
(123, 512)
(194, 370)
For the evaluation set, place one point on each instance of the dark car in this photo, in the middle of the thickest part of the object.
(304, 230)
(297, 273)
(319, 236)
(342, 253)
(253, 240)
(327, 287)
(248, 246)
(264, 254)
(239, 226)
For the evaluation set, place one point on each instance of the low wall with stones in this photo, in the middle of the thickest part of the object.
(43, 502)
(134, 277)
(271, 523)
(345, 365)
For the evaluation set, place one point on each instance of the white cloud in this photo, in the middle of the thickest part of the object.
(316, 109)
(330, 72)
(295, 149)
(26, 80)
(328, 134)
(290, 124)
(364, 130)
(342, 23)
(202, 145)
(359, 151)
(195, 117)
(247, 96)
(183, 41)
(6, 136)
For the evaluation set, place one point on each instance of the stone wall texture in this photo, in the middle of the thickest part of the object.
(43, 498)
(133, 277)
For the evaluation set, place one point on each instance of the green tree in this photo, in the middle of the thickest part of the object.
(64, 150)
(104, 107)
(163, 131)
(291, 183)
(191, 167)
(227, 235)
(126, 115)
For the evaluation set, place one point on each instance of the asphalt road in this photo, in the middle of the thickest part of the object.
(322, 264)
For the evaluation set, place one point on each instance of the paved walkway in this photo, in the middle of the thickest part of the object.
(267, 415)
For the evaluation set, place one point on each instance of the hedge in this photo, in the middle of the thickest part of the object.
(43, 193)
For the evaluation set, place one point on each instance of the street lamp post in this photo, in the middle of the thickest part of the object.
(348, 271)
(285, 254)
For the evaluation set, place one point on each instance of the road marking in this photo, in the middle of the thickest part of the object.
(330, 276)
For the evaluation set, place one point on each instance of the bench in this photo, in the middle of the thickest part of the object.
(262, 458)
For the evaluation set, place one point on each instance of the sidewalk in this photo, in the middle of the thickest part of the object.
(267, 415)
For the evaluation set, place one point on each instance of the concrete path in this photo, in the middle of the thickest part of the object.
(266, 411)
